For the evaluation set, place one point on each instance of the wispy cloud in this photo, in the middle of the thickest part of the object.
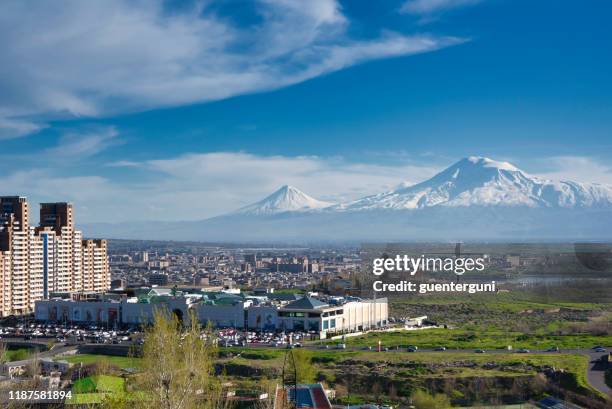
(427, 7)
(201, 185)
(576, 168)
(14, 128)
(83, 143)
(91, 59)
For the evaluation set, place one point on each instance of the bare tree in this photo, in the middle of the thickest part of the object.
(3, 357)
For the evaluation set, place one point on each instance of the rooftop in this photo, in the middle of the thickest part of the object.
(306, 303)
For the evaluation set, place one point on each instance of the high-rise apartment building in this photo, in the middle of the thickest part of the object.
(51, 258)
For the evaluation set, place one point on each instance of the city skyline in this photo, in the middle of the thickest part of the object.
(365, 98)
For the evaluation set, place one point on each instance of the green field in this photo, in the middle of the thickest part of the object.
(119, 361)
(17, 354)
(573, 363)
(472, 339)
(93, 389)
(99, 383)
(540, 310)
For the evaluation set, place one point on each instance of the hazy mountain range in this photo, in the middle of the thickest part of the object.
(474, 199)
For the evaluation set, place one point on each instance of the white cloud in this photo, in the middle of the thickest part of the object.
(97, 58)
(15, 128)
(237, 179)
(123, 164)
(83, 143)
(200, 185)
(423, 7)
(197, 186)
(578, 169)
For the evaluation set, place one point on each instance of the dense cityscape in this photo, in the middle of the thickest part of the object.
(64, 294)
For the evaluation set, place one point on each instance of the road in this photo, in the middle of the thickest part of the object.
(57, 348)
(596, 373)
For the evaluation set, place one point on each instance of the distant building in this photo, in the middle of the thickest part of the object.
(203, 281)
(295, 265)
(339, 286)
(513, 260)
(141, 257)
(118, 284)
(158, 279)
(159, 264)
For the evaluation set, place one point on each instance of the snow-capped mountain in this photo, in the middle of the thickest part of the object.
(285, 199)
(474, 199)
(478, 181)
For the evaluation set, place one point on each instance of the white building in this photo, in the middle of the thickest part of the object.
(68, 311)
(221, 315)
(110, 312)
(222, 310)
(144, 312)
(310, 314)
(53, 257)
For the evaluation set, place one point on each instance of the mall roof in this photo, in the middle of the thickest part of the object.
(306, 303)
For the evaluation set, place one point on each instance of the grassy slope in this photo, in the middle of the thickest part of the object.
(93, 389)
(17, 354)
(323, 360)
(121, 362)
(471, 339)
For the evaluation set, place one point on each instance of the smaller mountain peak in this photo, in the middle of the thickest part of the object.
(285, 199)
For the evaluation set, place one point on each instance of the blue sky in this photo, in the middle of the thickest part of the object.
(126, 108)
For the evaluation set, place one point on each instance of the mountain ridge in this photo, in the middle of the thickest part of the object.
(472, 181)
(476, 198)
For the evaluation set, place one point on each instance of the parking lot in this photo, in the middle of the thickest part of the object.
(95, 334)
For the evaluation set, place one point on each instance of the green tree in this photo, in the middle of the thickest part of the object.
(423, 400)
(177, 366)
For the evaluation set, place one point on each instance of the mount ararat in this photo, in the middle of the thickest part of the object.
(476, 198)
